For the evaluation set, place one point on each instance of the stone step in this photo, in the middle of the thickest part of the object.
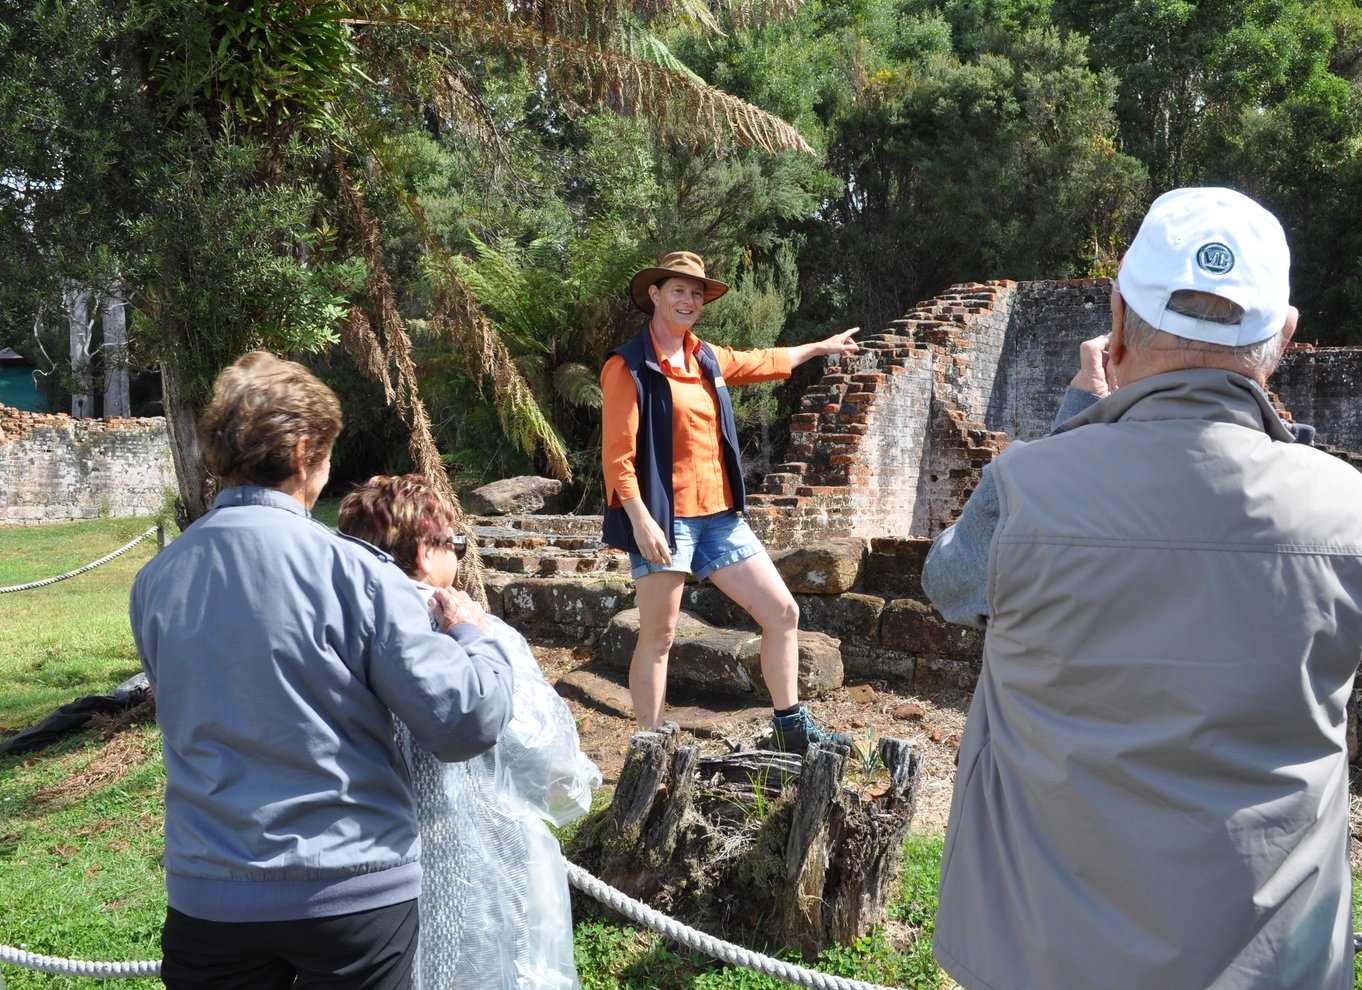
(516, 540)
(547, 562)
(552, 525)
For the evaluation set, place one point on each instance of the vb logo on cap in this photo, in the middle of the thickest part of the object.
(1215, 258)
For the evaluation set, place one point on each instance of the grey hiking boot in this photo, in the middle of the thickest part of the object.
(793, 733)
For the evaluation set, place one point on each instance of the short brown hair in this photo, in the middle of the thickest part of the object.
(262, 407)
(397, 514)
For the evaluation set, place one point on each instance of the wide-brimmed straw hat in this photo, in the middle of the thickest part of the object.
(685, 264)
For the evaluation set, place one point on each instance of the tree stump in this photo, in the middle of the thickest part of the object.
(760, 847)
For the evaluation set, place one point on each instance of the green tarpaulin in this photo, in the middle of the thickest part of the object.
(18, 391)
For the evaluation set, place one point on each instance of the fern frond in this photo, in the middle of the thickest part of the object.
(594, 67)
(389, 338)
(647, 47)
(578, 385)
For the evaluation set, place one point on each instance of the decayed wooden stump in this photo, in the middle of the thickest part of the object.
(762, 847)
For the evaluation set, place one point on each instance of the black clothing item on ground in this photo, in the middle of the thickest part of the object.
(70, 717)
(366, 950)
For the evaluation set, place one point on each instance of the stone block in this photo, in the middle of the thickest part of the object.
(852, 618)
(916, 627)
(727, 661)
(713, 606)
(820, 665)
(893, 565)
(512, 496)
(826, 568)
(938, 673)
(565, 607)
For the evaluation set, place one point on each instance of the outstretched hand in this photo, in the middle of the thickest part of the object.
(839, 343)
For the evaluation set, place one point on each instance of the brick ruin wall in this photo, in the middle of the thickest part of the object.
(1320, 386)
(891, 441)
(54, 468)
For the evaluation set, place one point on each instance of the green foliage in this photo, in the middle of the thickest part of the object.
(1000, 166)
(267, 65)
(1260, 96)
(70, 132)
(80, 871)
(231, 264)
(915, 904)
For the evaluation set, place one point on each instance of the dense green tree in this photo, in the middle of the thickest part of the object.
(1261, 96)
(1002, 164)
(254, 177)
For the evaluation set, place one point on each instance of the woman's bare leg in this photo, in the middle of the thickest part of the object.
(756, 585)
(658, 596)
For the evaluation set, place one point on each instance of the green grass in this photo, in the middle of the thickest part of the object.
(71, 638)
(80, 822)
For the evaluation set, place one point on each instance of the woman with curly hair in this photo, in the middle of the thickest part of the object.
(494, 910)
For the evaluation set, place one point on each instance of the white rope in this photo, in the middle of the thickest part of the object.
(77, 967)
(80, 570)
(637, 911)
(717, 948)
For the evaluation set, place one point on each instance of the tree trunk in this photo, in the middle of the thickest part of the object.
(113, 318)
(78, 306)
(196, 490)
(755, 846)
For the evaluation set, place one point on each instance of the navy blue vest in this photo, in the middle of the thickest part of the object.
(653, 461)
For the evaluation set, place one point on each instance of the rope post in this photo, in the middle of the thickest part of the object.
(161, 543)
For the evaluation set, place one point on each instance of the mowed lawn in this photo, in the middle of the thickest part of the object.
(80, 821)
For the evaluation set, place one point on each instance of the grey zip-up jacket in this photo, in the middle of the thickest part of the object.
(277, 649)
(1153, 781)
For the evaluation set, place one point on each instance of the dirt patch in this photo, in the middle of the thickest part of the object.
(122, 751)
(866, 710)
(934, 721)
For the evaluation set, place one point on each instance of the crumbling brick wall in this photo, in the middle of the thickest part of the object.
(54, 468)
(1040, 355)
(890, 442)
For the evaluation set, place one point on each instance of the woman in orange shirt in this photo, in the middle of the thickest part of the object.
(674, 488)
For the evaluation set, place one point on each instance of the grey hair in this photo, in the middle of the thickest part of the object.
(1251, 360)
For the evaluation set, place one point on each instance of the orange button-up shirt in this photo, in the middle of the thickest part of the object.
(699, 484)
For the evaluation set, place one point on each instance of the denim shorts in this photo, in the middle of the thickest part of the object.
(703, 545)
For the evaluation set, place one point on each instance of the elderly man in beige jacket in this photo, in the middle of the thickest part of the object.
(1153, 781)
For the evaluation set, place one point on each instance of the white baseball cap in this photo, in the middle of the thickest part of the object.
(1211, 240)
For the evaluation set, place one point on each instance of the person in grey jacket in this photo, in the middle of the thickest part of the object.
(278, 652)
(1153, 780)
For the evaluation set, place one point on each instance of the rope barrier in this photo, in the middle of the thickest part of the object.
(80, 570)
(77, 967)
(621, 903)
(727, 952)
